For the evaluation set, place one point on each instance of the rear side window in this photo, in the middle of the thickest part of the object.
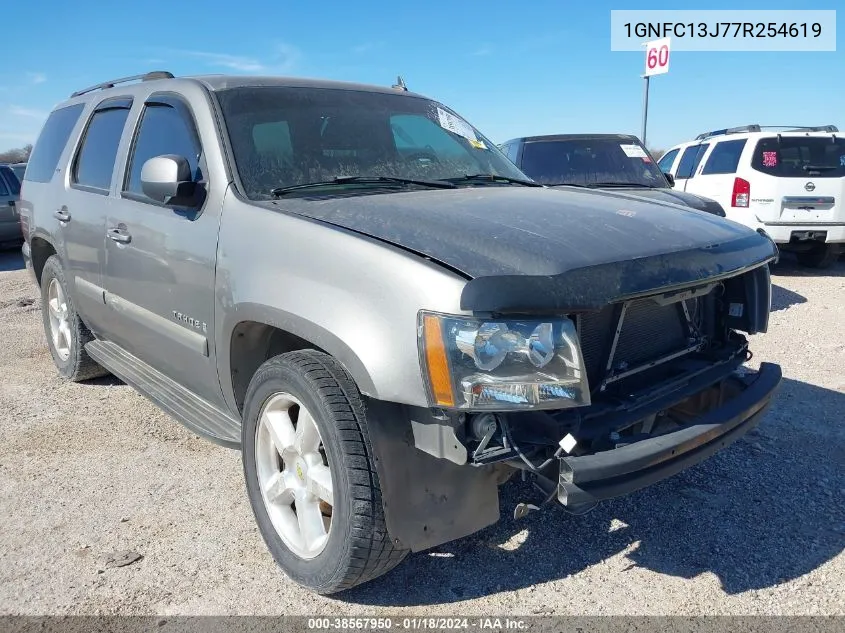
(724, 159)
(51, 142)
(690, 159)
(800, 156)
(667, 160)
(12, 181)
(4, 190)
(94, 163)
(163, 130)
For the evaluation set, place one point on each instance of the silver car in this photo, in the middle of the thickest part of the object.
(354, 287)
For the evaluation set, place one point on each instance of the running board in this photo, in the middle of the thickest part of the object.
(199, 416)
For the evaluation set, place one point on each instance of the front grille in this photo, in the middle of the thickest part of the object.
(649, 332)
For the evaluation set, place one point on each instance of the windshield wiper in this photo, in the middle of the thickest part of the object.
(818, 167)
(492, 178)
(594, 185)
(363, 180)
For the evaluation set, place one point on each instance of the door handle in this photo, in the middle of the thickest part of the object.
(62, 215)
(119, 235)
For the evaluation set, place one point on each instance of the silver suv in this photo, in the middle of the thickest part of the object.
(357, 289)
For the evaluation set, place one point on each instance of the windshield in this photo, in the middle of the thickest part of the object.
(286, 136)
(800, 156)
(591, 161)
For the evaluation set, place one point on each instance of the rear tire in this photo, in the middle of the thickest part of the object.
(66, 333)
(289, 393)
(822, 256)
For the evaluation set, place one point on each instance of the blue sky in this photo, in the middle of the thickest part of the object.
(511, 68)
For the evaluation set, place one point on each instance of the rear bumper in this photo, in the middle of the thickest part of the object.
(782, 233)
(620, 471)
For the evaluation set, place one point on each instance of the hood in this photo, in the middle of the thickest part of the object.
(665, 194)
(506, 235)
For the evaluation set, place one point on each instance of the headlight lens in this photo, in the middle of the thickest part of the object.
(491, 364)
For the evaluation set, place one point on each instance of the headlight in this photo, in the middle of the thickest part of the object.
(494, 364)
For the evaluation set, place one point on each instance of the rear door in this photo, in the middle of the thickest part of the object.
(798, 179)
(688, 164)
(716, 175)
(9, 192)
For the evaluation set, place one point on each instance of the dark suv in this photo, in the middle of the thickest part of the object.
(611, 162)
(10, 189)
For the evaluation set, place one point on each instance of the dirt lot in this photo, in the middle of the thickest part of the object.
(88, 470)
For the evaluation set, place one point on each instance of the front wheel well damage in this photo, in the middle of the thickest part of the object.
(252, 344)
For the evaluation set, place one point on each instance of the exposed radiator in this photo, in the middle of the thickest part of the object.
(649, 332)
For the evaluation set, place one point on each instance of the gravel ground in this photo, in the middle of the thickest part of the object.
(91, 470)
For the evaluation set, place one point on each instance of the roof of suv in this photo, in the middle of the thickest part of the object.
(572, 137)
(224, 82)
(754, 131)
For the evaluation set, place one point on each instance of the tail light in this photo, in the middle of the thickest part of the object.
(741, 193)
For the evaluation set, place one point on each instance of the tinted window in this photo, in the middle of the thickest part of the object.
(163, 130)
(19, 170)
(14, 184)
(690, 159)
(95, 161)
(800, 156)
(52, 140)
(4, 190)
(591, 161)
(668, 159)
(512, 152)
(284, 136)
(724, 158)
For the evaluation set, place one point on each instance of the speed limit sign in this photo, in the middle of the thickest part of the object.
(657, 57)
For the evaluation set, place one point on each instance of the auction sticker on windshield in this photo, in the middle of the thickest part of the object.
(634, 151)
(456, 125)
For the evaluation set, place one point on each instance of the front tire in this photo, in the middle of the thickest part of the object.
(822, 256)
(66, 333)
(310, 476)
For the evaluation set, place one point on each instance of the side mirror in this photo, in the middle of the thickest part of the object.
(670, 178)
(167, 178)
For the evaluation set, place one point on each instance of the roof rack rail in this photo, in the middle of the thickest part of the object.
(730, 130)
(150, 76)
(760, 128)
(813, 128)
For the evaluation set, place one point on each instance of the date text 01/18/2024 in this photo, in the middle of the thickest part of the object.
(417, 623)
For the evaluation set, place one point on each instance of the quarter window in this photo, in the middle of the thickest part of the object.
(724, 159)
(95, 161)
(51, 142)
(667, 160)
(163, 130)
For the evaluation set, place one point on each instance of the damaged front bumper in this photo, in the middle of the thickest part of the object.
(590, 478)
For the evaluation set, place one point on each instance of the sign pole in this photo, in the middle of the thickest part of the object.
(656, 63)
(645, 108)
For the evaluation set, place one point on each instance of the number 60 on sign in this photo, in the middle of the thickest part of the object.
(657, 57)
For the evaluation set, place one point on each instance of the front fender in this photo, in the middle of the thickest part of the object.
(353, 296)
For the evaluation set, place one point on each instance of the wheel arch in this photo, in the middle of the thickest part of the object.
(257, 333)
(41, 249)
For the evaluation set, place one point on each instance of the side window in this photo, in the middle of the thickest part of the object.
(4, 190)
(94, 163)
(724, 158)
(51, 142)
(163, 130)
(512, 152)
(667, 160)
(690, 159)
